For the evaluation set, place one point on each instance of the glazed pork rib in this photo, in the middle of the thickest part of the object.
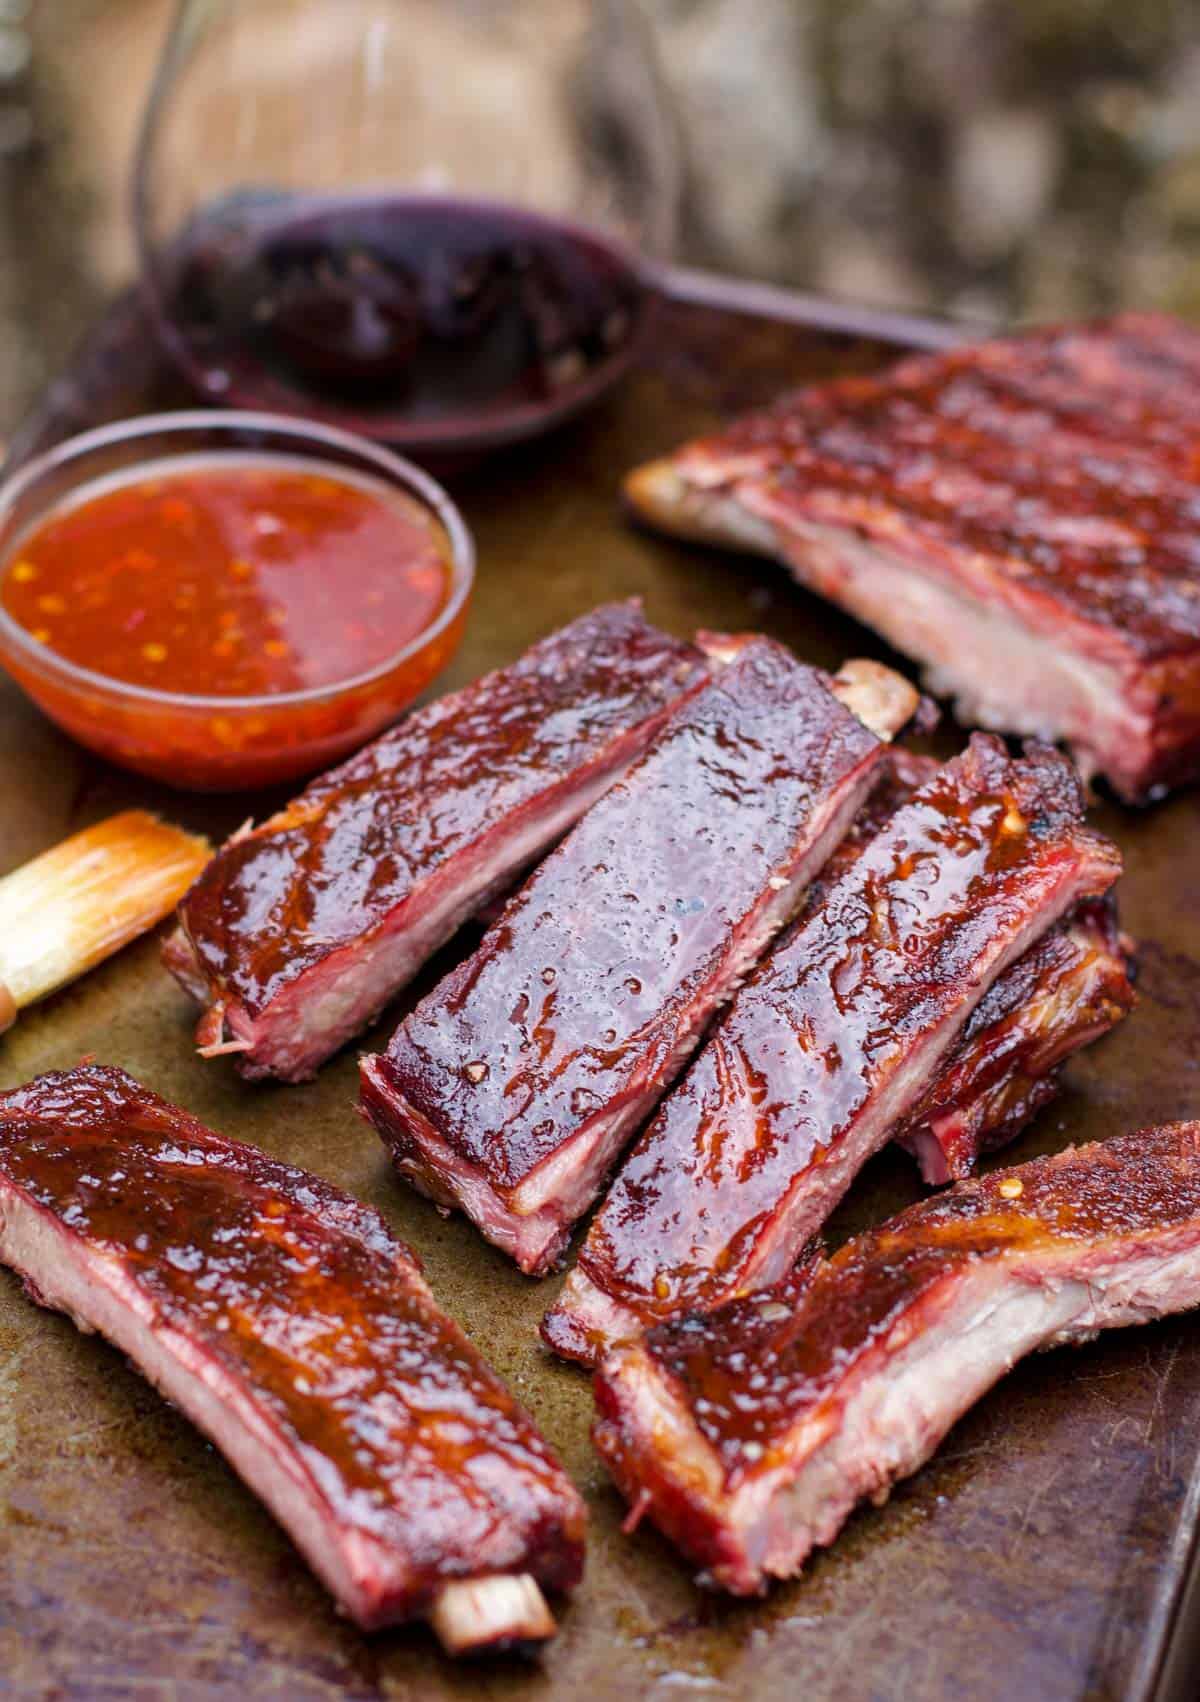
(1019, 516)
(833, 1044)
(299, 931)
(296, 1331)
(512, 1087)
(1067, 991)
(863, 1362)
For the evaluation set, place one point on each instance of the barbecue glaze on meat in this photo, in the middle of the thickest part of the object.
(1070, 989)
(1020, 516)
(833, 1043)
(1064, 993)
(749, 1435)
(296, 1331)
(300, 930)
(513, 1086)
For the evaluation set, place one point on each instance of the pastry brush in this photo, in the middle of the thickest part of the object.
(79, 902)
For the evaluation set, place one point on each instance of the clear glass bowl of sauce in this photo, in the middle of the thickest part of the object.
(227, 600)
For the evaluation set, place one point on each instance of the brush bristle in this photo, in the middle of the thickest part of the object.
(81, 901)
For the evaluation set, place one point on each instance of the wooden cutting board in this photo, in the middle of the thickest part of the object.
(1041, 1555)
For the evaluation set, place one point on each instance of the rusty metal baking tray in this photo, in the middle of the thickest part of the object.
(1041, 1555)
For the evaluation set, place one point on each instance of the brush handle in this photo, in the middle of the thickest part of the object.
(8, 1009)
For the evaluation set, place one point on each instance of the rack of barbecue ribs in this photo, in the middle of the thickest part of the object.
(748, 1435)
(296, 1331)
(1018, 516)
(510, 1090)
(300, 930)
(833, 1044)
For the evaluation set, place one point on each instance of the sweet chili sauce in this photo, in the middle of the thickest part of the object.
(231, 577)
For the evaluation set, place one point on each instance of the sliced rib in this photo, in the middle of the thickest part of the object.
(296, 1331)
(749, 1435)
(1070, 989)
(1063, 994)
(1019, 516)
(301, 930)
(513, 1086)
(833, 1043)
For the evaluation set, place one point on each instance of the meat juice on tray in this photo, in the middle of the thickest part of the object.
(417, 319)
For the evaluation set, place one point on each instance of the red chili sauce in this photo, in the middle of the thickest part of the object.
(231, 576)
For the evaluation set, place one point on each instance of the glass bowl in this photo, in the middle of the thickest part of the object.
(220, 743)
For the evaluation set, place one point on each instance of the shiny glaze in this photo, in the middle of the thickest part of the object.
(1064, 993)
(755, 1370)
(899, 943)
(950, 1589)
(361, 840)
(1057, 468)
(579, 994)
(906, 772)
(306, 1298)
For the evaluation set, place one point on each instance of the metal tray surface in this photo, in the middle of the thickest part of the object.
(1041, 1554)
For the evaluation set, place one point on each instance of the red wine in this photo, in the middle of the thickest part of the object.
(428, 322)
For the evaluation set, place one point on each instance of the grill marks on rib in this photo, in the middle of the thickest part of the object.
(749, 1435)
(832, 1044)
(299, 1327)
(512, 1087)
(300, 930)
(1040, 491)
(1017, 453)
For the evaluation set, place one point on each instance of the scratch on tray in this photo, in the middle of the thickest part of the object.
(1113, 1434)
(1035, 1500)
(1161, 1369)
(1097, 1376)
(87, 1432)
(959, 1456)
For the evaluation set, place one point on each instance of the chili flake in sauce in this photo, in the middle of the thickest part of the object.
(230, 576)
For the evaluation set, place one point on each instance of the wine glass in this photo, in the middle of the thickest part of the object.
(434, 222)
